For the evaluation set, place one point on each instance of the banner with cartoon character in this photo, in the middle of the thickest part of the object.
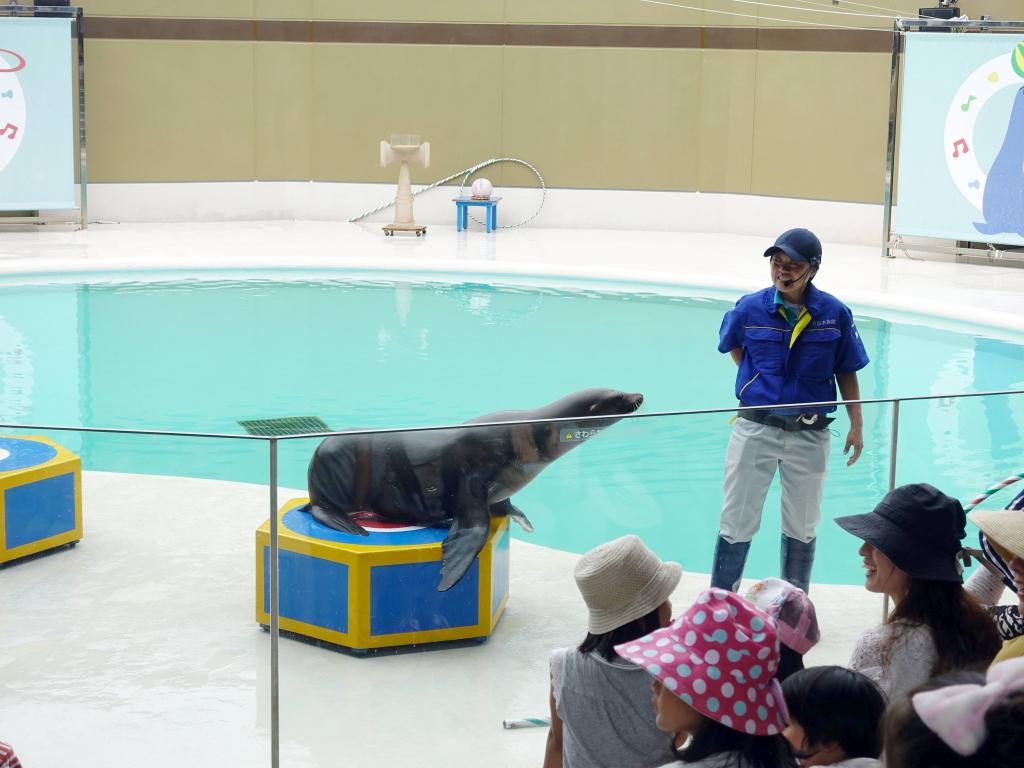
(961, 149)
(37, 127)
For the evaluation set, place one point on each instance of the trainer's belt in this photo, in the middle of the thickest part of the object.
(795, 423)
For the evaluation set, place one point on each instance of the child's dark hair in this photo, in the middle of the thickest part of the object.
(790, 662)
(748, 751)
(835, 705)
(604, 644)
(909, 743)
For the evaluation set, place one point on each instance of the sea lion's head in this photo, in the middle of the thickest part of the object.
(588, 403)
(553, 439)
(609, 402)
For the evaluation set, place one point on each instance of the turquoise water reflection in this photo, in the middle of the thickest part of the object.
(204, 355)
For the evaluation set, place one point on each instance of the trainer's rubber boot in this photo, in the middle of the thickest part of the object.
(797, 561)
(729, 561)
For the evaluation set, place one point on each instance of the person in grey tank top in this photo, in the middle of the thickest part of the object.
(601, 712)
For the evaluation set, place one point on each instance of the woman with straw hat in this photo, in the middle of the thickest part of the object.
(601, 712)
(1002, 540)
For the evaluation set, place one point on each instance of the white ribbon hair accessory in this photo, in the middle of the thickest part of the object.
(956, 713)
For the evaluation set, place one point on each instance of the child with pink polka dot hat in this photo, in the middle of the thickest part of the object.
(714, 683)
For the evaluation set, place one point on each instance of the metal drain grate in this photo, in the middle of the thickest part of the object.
(289, 425)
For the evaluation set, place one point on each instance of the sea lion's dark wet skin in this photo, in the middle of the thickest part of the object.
(461, 475)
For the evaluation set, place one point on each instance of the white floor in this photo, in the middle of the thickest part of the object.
(988, 295)
(139, 647)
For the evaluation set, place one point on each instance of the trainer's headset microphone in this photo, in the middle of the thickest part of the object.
(788, 283)
(804, 276)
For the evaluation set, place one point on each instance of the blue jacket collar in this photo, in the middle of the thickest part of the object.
(812, 299)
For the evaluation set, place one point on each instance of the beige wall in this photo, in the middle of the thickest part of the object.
(801, 124)
(710, 13)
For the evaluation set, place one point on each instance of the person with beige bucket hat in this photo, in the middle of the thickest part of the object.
(1002, 541)
(601, 715)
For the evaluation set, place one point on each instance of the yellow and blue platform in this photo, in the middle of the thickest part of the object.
(378, 591)
(40, 497)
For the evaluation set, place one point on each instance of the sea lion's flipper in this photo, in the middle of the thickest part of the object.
(339, 521)
(506, 507)
(524, 522)
(468, 534)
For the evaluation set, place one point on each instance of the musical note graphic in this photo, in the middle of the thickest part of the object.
(956, 147)
(967, 105)
(7, 94)
(14, 130)
(974, 184)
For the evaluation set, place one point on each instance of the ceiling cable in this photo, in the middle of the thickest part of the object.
(767, 18)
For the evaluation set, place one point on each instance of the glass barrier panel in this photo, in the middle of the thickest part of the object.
(851, 490)
(963, 446)
(374, 644)
(137, 643)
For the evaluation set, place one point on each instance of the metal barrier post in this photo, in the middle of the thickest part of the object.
(893, 442)
(890, 147)
(275, 735)
(83, 182)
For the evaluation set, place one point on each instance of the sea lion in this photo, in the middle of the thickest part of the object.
(462, 475)
(1003, 201)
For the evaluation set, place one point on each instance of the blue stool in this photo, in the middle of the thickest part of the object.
(379, 590)
(40, 497)
(462, 205)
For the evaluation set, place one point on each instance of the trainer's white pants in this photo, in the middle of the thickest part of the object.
(755, 450)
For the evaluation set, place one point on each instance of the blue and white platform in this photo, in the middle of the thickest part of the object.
(380, 590)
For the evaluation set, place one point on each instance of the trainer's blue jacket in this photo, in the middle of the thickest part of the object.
(783, 364)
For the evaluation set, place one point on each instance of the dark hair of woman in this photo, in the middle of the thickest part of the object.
(604, 644)
(909, 743)
(748, 751)
(790, 662)
(835, 705)
(964, 634)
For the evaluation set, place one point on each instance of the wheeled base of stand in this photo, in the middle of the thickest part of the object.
(390, 229)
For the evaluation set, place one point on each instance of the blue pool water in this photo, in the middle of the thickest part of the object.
(203, 355)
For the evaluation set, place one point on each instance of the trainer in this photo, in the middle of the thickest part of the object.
(792, 344)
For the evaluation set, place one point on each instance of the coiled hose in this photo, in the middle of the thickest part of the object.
(466, 173)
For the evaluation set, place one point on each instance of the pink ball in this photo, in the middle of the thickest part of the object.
(482, 188)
